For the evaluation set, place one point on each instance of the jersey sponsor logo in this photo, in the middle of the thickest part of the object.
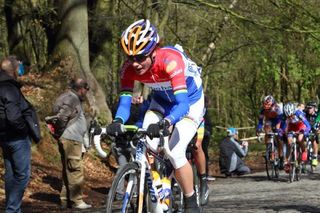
(171, 66)
(176, 72)
(163, 86)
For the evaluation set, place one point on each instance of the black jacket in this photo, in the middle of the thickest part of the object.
(17, 116)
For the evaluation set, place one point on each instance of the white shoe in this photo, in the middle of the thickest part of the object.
(211, 178)
(82, 205)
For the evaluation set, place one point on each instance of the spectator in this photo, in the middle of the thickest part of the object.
(70, 113)
(15, 133)
(231, 153)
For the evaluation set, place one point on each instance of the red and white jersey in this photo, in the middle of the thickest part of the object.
(171, 73)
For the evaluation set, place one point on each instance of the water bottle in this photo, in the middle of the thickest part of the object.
(157, 207)
(156, 180)
(165, 194)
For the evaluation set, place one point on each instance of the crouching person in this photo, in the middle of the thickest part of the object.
(231, 153)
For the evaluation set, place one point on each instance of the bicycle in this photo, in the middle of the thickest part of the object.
(309, 147)
(294, 160)
(272, 160)
(141, 193)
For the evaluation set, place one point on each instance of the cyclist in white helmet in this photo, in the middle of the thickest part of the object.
(295, 122)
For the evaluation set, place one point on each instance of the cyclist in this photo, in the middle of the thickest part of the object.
(298, 123)
(311, 115)
(271, 119)
(177, 98)
(198, 153)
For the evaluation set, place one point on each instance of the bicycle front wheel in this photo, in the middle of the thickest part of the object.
(270, 164)
(123, 194)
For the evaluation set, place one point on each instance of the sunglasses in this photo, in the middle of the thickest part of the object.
(137, 58)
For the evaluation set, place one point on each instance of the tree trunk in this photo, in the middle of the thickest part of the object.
(4, 32)
(72, 44)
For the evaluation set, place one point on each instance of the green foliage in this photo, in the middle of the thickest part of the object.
(247, 48)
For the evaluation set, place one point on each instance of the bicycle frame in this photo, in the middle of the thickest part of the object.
(145, 175)
(309, 146)
(272, 159)
(293, 160)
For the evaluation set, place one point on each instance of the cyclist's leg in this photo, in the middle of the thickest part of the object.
(175, 150)
(300, 142)
(198, 154)
(200, 162)
(182, 134)
(205, 147)
(315, 150)
(288, 152)
(267, 129)
(278, 127)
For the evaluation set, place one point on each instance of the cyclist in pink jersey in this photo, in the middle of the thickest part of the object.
(177, 98)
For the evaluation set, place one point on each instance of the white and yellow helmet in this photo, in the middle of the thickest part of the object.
(140, 38)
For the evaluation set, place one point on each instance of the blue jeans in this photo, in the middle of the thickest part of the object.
(17, 162)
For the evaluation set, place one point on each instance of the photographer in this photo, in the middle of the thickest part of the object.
(231, 153)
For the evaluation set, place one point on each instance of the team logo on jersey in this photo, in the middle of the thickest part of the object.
(171, 66)
(176, 72)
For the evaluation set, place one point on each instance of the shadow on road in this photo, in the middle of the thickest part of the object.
(54, 182)
(49, 197)
(301, 208)
(101, 190)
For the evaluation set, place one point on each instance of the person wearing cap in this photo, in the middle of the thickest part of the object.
(231, 153)
(69, 111)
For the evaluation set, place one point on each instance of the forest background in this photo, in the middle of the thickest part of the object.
(247, 49)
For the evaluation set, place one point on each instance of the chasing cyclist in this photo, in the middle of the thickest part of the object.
(271, 119)
(177, 98)
(296, 122)
(311, 111)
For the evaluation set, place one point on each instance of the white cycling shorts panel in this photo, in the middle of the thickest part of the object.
(182, 134)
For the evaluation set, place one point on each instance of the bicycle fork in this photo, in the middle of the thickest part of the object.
(145, 175)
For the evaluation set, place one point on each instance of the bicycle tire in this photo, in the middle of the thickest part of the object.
(269, 165)
(292, 172)
(112, 204)
(276, 164)
(196, 183)
(310, 157)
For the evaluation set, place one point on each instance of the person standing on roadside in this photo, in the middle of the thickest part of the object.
(69, 111)
(18, 125)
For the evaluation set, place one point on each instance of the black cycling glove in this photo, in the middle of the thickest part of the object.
(153, 130)
(115, 128)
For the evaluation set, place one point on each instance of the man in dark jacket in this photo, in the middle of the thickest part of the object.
(15, 133)
(231, 153)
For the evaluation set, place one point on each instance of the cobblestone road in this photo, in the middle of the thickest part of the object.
(254, 193)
